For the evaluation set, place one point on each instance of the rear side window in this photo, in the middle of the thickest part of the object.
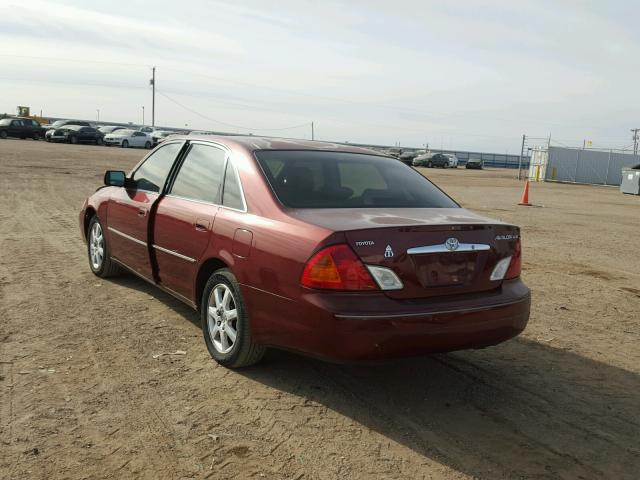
(152, 174)
(231, 193)
(201, 173)
(315, 179)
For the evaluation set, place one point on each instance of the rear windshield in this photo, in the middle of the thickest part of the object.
(314, 179)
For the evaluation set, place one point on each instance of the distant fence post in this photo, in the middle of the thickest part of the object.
(520, 158)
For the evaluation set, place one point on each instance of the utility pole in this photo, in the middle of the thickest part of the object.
(142, 114)
(98, 111)
(153, 97)
(312, 133)
(635, 140)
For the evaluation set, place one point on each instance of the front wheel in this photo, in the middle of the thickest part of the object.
(3, 134)
(99, 260)
(125, 144)
(36, 136)
(73, 140)
(225, 323)
(147, 145)
(99, 141)
(429, 164)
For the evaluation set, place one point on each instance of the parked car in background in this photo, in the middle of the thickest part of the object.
(77, 134)
(394, 152)
(19, 127)
(159, 136)
(128, 138)
(147, 130)
(407, 157)
(106, 129)
(373, 258)
(49, 135)
(453, 160)
(476, 163)
(432, 160)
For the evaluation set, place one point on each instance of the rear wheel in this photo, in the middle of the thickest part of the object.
(99, 141)
(147, 145)
(225, 323)
(36, 136)
(429, 164)
(99, 260)
(73, 140)
(125, 144)
(3, 134)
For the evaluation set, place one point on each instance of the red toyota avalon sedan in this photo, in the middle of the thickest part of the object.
(324, 249)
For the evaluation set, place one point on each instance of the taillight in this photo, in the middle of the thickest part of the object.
(516, 262)
(337, 268)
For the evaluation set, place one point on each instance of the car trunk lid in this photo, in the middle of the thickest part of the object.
(433, 251)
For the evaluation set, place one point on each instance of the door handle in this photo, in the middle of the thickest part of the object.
(142, 212)
(200, 227)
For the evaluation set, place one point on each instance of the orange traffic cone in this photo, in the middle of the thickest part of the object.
(525, 195)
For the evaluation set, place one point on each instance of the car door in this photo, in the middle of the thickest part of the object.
(185, 216)
(16, 129)
(130, 210)
(139, 139)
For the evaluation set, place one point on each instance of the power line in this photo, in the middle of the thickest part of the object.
(306, 124)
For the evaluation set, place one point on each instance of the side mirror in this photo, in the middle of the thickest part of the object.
(115, 178)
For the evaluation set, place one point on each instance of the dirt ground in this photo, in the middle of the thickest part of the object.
(84, 395)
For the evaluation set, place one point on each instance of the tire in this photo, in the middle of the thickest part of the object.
(47, 139)
(3, 134)
(147, 145)
(99, 141)
(429, 164)
(73, 140)
(101, 266)
(125, 144)
(445, 165)
(222, 295)
(36, 136)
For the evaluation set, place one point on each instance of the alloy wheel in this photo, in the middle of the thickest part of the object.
(96, 246)
(222, 318)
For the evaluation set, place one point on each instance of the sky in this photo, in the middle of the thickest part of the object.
(467, 75)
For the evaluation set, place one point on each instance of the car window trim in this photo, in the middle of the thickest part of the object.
(228, 158)
(173, 165)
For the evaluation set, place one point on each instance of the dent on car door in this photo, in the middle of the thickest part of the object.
(130, 210)
(184, 219)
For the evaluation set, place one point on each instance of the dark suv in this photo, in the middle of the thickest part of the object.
(21, 128)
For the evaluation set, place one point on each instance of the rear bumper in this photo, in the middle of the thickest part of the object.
(342, 327)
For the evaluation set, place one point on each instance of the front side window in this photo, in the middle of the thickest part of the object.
(152, 174)
(315, 179)
(201, 173)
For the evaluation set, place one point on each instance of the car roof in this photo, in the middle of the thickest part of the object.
(252, 143)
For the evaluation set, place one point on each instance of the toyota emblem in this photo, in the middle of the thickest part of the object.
(452, 244)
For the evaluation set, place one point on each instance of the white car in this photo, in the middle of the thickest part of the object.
(128, 138)
(453, 160)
